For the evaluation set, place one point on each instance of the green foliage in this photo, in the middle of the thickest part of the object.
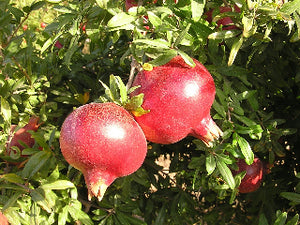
(49, 71)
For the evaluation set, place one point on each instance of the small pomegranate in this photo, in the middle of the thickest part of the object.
(254, 175)
(3, 219)
(226, 22)
(25, 27)
(22, 135)
(104, 142)
(58, 45)
(43, 25)
(179, 98)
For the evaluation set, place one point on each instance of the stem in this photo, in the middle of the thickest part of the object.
(22, 70)
(134, 66)
(15, 31)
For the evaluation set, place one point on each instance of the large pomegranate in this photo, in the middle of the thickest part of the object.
(254, 175)
(179, 98)
(22, 135)
(104, 142)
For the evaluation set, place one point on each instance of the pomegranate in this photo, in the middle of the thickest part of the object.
(22, 135)
(104, 142)
(254, 175)
(58, 45)
(3, 219)
(179, 98)
(226, 22)
(43, 25)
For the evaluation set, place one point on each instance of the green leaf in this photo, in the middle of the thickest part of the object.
(35, 163)
(156, 43)
(122, 89)
(262, 220)
(63, 216)
(219, 108)
(210, 164)
(245, 148)
(154, 20)
(120, 19)
(188, 60)
(197, 7)
(12, 177)
(102, 3)
(294, 220)
(77, 214)
(39, 196)
(58, 185)
(5, 110)
(37, 5)
(234, 49)
(290, 7)
(224, 34)
(182, 35)
(164, 58)
(226, 173)
(294, 197)
(281, 219)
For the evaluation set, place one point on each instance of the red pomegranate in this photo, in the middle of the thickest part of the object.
(3, 219)
(22, 135)
(104, 142)
(179, 98)
(58, 45)
(226, 22)
(254, 175)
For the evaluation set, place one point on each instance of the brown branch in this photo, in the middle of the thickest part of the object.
(22, 70)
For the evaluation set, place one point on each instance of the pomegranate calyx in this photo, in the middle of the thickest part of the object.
(208, 131)
(97, 189)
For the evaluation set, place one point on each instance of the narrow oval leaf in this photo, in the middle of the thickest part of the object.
(281, 219)
(156, 43)
(210, 164)
(188, 60)
(246, 149)
(226, 173)
(120, 19)
(234, 49)
(5, 110)
(58, 185)
(294, 197)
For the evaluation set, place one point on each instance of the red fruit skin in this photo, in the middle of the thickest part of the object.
(104, 142)
(25, 27)
(58, 45)
(254, 175)
(226, 21)
(23, 135)
(179, 98)
(3, 219)
(43, 25)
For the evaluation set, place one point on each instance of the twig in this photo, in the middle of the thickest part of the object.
(22, 70)
(15, 31)
(134, 66)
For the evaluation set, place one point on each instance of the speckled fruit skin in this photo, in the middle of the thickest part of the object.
(254, 175)
(3, 219)
(179, 98)
(104, 142)
(23, 135)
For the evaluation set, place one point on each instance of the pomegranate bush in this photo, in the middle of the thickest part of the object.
(146, 67)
